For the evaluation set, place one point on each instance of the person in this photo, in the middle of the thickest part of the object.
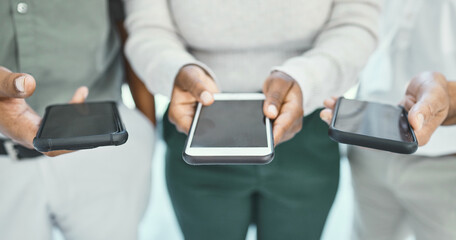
(397, 195)
(430, 95)
(47, 50)
(297, 52)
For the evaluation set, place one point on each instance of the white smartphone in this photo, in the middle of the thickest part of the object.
(233, 130)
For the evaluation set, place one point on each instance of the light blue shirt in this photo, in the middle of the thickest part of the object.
(416, 36)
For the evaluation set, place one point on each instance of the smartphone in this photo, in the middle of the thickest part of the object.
(80, 126)
(372, 125)
(233, 130)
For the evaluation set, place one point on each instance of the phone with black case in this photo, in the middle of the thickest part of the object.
(80, 126)
(373, 125)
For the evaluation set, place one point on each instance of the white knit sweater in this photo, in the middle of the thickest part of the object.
(322, 44)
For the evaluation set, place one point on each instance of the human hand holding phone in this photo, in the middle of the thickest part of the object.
(18, 120)
(284, 105)
(192, 85)
(427, 101)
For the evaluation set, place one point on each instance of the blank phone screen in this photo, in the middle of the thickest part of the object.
(373, 119)
(231, 124)
(77, 120)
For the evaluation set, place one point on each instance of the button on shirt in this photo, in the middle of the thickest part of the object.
(417, 36)
(64, 45)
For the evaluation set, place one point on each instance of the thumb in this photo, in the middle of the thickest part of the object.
(416, 117)
(198, 83)
(80, 95)
(202, 89)
(276, 91)
(424, 122)
(16, 85)
(326, 115)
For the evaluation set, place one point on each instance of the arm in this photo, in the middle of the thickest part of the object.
(152, 31)
(451, 119)
(167, 68)
(144, 100)
(339, 53)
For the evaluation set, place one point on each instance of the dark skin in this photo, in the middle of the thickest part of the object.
(283, 102)
(451, 119)
(430, 101)
(144, 100)
(18, 121)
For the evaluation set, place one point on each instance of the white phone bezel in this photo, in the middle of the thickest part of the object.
(230, 151)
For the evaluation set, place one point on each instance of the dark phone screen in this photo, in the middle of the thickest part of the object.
(373, 119)
(231, 124)
(77, 120)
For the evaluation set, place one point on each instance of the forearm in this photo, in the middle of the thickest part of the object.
(339, 53)
(451, 119)
(154, 47)
(144, 100)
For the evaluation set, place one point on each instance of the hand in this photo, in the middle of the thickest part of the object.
(18, 121)
(427, 100)
(284, 105)
(191, 85)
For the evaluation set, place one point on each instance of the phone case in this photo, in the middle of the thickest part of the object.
(85, 142)
(229, 160)
(369, 141)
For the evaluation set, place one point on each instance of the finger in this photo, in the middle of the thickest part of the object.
(195, 80)
(201, 92)
(275, 90)
(56, 153)
(289, 120)
(291, 132)
(80, 95)
(326, 115)
(425, 118)
(181, 117)
(285, 127)
(16, 85)
(181, 110)
(183, 124)
(330, 103)
(408, 102)
(278, 130)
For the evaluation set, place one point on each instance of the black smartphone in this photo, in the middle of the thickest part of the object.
(233, 130)
(372, 125)
(80, 126)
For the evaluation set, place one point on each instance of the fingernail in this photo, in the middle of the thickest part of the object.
(420, 119)
(272, 110)
(20, 83)
(206, 97)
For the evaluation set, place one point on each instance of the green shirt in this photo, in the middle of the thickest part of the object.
(64, 45)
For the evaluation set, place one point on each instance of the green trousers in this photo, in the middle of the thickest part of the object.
(289, 198)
